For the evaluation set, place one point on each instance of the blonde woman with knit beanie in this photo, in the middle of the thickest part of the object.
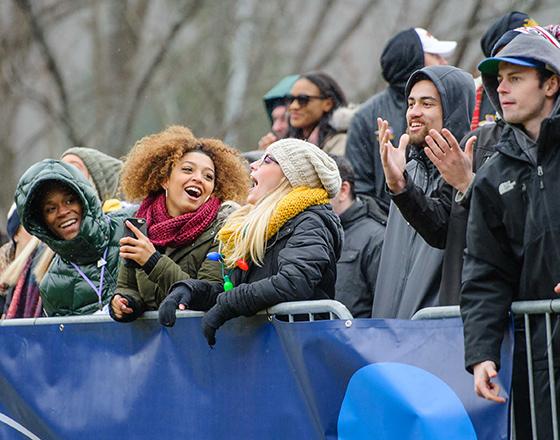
(281, 246)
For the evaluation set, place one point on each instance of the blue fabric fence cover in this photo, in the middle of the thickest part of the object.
(373, 379)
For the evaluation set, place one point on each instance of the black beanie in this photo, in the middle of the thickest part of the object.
(505, 23)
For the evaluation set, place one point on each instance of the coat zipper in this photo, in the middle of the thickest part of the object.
(540, 173)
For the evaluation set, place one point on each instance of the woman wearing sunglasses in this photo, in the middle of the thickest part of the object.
(319, 113)
(286, 238)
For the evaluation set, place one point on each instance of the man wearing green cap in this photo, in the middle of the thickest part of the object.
(512, 237)
(277, 111)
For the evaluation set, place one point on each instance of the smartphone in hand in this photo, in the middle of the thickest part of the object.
(140, 223)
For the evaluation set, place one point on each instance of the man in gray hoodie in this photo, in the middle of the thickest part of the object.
(512, 236)
(403, 54)
(439, 98)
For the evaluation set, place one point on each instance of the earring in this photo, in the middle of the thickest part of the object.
(165, 192)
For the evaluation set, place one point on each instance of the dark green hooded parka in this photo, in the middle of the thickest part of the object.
(63, 289)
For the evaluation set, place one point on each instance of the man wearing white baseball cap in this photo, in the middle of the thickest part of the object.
(435, 51)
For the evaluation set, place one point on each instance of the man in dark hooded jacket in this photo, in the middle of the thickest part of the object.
(439, 98)
(458, 165)
(512, 236)
(363, 222)
(403, 54)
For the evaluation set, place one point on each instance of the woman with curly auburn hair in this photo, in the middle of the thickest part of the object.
(187, 188)
(281, 246)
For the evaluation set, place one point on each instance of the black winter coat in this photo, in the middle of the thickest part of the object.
(513, 252)
(364, 228)
(512, 244)
(455, 239)
(402, 55)
(299, 264)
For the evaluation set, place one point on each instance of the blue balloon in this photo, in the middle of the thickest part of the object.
(397, 401)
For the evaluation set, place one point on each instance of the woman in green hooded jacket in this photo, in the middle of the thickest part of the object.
(61, 208)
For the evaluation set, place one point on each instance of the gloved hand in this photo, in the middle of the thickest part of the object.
(214, 319)
(179, 294)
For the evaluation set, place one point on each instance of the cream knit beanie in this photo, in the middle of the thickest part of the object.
(305, 164)
(105, 170)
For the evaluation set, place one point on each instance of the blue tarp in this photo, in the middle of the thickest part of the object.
(381, 379)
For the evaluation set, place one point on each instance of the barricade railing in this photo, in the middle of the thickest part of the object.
(309, 309)
(525, 309)
(437, 313)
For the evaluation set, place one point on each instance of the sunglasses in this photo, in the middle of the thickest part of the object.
(302, 100)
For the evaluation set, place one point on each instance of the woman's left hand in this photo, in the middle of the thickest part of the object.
(214, 318)
(138, 249)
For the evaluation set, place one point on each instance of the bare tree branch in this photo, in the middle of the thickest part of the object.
(187, 15)
(312, 36)
(429, 20)
(465, 39)
(26, 92)
(264, 49)
(52, 68)
(345, 34)
(55, 12)
(377, 82)
(402, 17)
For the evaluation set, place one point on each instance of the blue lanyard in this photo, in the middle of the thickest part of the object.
(98, 291)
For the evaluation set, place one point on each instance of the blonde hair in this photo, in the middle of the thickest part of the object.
(12, 273)
(249, 227)
(43, 264)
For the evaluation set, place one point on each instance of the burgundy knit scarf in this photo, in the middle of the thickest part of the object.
(26, 299)
(164, 230)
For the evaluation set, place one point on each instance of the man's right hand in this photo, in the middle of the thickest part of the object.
(393, 159)
(119, 306)
(483, 373)
(266, 140)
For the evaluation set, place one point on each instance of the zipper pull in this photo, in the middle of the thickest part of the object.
(540, 173)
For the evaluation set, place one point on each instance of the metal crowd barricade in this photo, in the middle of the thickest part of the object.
(518, 308)
(334, 309)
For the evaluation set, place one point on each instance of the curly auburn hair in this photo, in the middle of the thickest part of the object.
(152, 158)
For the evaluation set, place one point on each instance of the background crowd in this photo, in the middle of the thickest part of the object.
(438, 190)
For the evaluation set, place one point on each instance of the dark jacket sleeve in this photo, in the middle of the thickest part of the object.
(370, 263)
(203, 293)
(361, 145)
(489, 278)
(427, 214)
(301, 264)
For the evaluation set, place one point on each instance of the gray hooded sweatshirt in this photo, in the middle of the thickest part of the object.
(410, 269)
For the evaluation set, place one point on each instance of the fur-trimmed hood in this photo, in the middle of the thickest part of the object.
(341, 117)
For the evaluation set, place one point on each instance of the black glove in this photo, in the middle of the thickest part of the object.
(179, 294)
(214, 319)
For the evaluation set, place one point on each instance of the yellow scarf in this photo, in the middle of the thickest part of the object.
(296, 201)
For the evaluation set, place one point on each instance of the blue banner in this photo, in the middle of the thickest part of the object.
(358, 379)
